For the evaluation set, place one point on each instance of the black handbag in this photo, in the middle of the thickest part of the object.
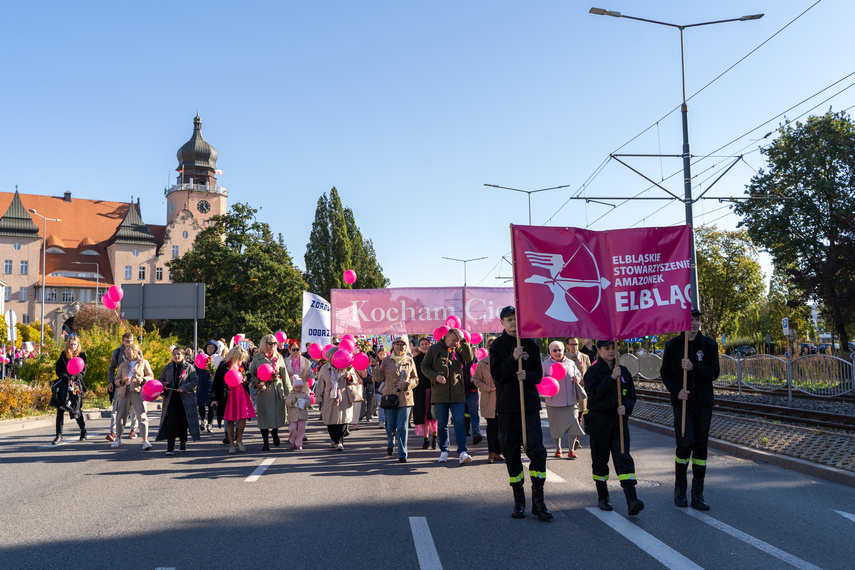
(388, 402)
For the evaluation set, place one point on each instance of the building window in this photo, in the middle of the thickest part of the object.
(22, 294)
(17, 245)
(142, 272)
(67, 296)
(88, 252)
(25, 267)
(136, 253)
(8, 267)
(51, 295)
(55, 250)
(185, 235)
(128, 270)
(8, 293)
(159, 274)
(174, 251)
(26, 319)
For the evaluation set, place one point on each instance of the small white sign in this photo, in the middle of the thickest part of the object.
(785, 322)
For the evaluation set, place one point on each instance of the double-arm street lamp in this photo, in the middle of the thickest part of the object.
(44, 270)
(464, 262)
(529, 192)
(97, 281)
(687, 166)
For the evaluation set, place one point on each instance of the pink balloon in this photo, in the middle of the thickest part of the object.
(360, 361)
(440, 332)
(482, 353)
(350, 276)
(453, 322)
(312, 399)
(557, 370)
(349, 336)
(341, 358)
(281, 337)
(476, 338)
(110, 303)
(201, 360)
(148, 398)
(472, 368)
(75, 365)
(346, 344)
(115, 293)
(311, 382)
(237, 338)
(152, 388)
(234, 378)
(467, 336)
(327, 349)
(548, 386)
(264, 372)
(315, 351)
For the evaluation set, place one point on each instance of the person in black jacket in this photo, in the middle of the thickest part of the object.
(702, 369)
(603, 427)
(504, 368)
(68, 391)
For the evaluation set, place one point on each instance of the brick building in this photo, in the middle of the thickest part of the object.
(99, 243)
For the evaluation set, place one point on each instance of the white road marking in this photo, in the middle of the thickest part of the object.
(849, 516)
(90, 435)
(550, 476)
(663, 553)
(425, 548)
(259, 471)
(755, 542)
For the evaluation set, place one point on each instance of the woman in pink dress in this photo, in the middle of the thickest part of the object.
(238, 403)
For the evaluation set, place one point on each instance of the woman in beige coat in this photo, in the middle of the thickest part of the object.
(333, 391)
(130, 377)
(270, 394)
(399, 379)
(484, 381)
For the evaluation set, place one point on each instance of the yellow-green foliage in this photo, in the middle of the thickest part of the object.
(17, 400)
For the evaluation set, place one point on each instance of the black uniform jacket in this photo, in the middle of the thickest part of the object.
(703, 352)
(602, 389)
(503, 369)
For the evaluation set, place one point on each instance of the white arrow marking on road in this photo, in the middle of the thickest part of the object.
(849, 516)
(259, 471)
(550, 476)
(663, 553)
(425, 548)
(755, 542)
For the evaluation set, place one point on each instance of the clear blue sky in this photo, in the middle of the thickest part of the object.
(408, 108)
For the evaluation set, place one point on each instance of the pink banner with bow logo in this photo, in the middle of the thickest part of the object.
(417, 310)
(603, 285)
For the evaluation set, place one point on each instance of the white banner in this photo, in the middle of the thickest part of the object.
(316, 320)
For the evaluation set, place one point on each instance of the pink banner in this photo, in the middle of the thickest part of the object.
(417, 310)
(603, 285)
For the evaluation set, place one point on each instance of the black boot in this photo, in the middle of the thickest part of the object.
(698, 501)
(538, 507)
(680, 483)
(265, 436)
(276, 441)
(519, 501)
(426, 444)
(633, 505)
(603, 496)
(83, 434)
(680, 496)
(433, 441)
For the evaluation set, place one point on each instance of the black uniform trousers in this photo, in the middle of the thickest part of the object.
(510, 440)
(604, 433)
(694, 444)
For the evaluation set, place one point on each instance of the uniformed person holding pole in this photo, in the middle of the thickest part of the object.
(506, 354)
(689, 376)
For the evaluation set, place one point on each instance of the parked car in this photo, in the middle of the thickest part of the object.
(743, 351)
(807, 348)
(824, 348)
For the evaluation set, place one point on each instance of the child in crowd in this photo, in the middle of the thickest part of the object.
(298, 404)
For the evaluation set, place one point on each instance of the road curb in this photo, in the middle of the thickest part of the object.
(791, 463)
(46, 420)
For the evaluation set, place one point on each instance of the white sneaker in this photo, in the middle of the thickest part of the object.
(443, 457)
(208, 428)
(146, 446)
(339, 447)
(465, 458)
(115, 443)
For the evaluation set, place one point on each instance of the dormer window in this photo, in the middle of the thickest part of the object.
(54, 250)
(88, 252)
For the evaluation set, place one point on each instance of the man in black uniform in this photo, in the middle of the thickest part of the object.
(603, 425)
(702, 370)
(504, 368)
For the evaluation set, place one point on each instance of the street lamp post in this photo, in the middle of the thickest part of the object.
(44, 271)
(529, 192)
(684, 109)
(464, 262)
(97, 282)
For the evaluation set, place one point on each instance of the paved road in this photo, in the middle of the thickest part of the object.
(86, 504)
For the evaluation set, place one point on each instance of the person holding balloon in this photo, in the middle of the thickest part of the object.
(484, 381)
(298, 403)
(116, 359)
(562, 407)
(424, 417)
(131, 375)
(237, 406)
(333, 392)
(69, 387)
(180, 413)
(400, 377)
(272, 383)
(205, 369)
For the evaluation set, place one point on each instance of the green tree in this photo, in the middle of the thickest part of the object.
(336, 245)
(811, 233)
(729, 278)
(252, 286)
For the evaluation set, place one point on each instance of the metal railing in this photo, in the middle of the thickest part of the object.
(195, 188)
(814, 374)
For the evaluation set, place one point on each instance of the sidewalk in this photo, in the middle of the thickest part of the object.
(45, 420)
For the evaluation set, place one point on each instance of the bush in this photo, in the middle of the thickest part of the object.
(18, 400)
